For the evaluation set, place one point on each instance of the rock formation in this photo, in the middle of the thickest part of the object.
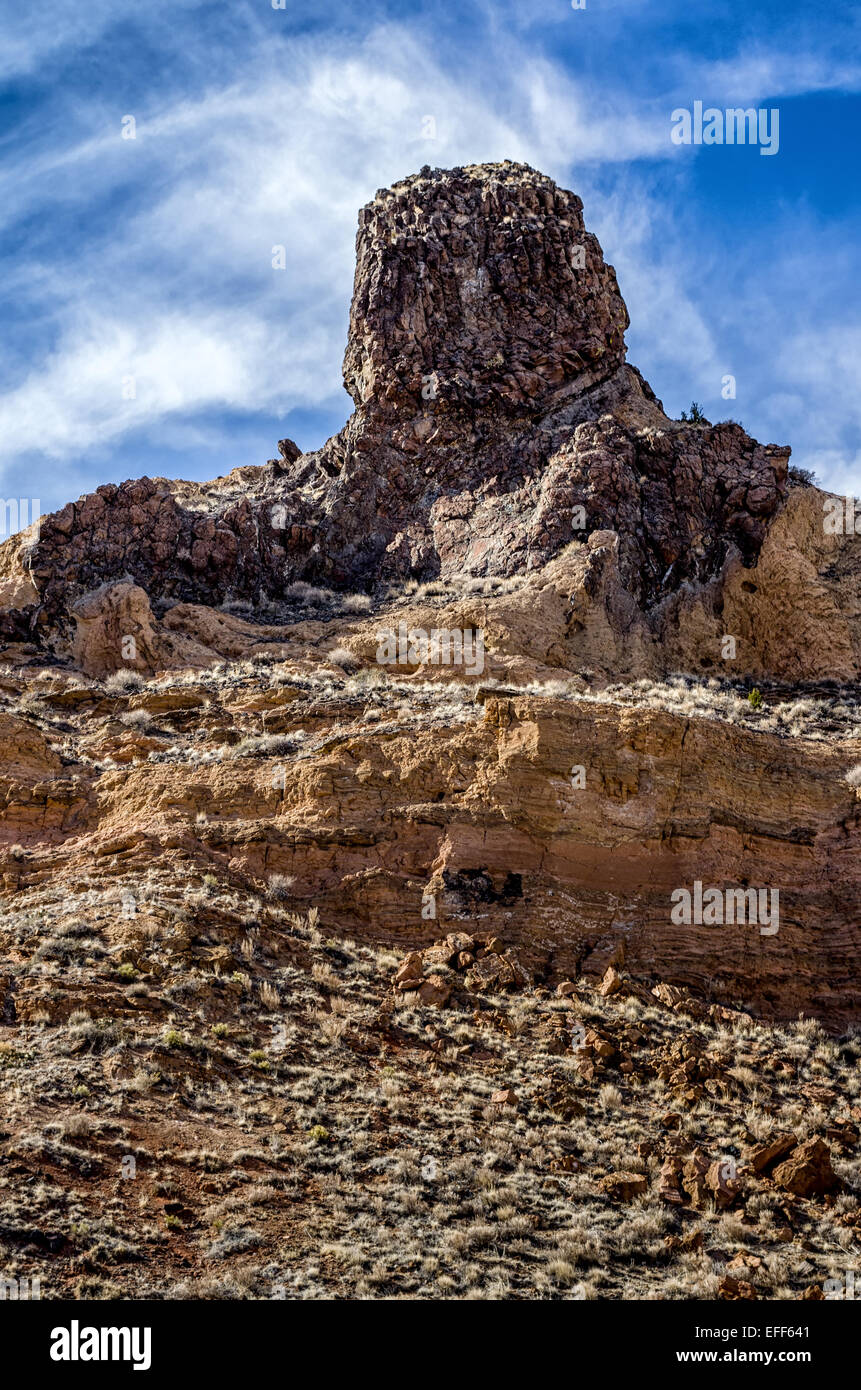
(503, 452)
(497, 429)
(290, 887)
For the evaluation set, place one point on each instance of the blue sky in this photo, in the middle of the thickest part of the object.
(151, 258)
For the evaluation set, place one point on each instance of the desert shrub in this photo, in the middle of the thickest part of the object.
(308, 594)
(234, 1242)
(801, 477)
(137, 719)
(278, 887)
(268, 745)
(123, 682)
(356, 603)
(343, 657)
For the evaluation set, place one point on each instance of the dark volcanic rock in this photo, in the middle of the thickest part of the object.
(483, 286)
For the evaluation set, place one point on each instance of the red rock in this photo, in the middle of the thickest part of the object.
(598, 1045)
(435, 990)
(735, 1290)
(842, 1132)
(668, 995)
(744, 1263)
(807, 1172)
(694, 1179)
(776, 1148)
(668, 1182)
(567, 1163)
(723, 1183)
(410, 972)
(611, 983)
(459, 941)
(691, 1243)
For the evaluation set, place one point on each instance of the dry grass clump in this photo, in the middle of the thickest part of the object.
(269, 745)
(309, 595)
(124, 682)
(279, 886)
(139, 719)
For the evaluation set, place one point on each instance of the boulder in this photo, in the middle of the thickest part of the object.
(807, 1172)
(611, 983)
(410, 972)
(723, 1183)
(668, 1182)
(736, 1290)
(762, 1158)
(435, 990)
(694, 1179)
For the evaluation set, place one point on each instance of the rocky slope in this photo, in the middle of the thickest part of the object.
(259, 873)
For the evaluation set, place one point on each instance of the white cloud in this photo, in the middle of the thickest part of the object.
(755, 74)
(836, 470)
(184, 296)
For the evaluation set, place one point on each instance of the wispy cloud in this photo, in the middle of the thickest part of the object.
(183, 296)
(34, 36)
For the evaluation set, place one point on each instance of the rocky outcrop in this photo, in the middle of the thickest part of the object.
(115, 629)
(808, 1171)
(498, 429)
(479, 288)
